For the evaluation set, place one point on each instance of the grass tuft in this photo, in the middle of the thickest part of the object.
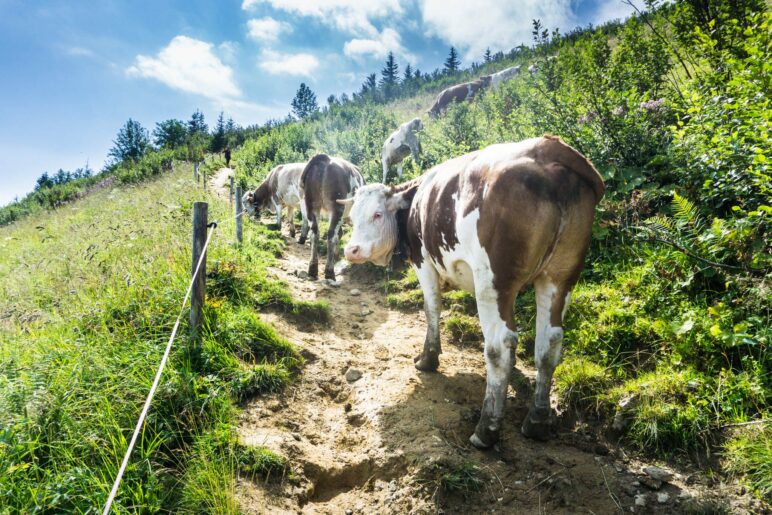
(463, 329)
(749, 456)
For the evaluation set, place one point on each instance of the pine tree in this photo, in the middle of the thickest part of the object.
(487, 57)
(452, 62)
(170, 134)
(131, 143)
(304, 104)
(390, 71)
(218, 137)
(197, 125)
(408, 74)
(369, 84)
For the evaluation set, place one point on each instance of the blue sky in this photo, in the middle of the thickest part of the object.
(75, 71)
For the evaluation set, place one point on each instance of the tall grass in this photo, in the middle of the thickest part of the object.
(88, 295)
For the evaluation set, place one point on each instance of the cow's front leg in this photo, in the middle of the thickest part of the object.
(278, 207)
(313, 265)
(291, 220)
(500, 343)
(551, 301)
(385, 163)
(333, 241)
(400, 168)
(429, 359)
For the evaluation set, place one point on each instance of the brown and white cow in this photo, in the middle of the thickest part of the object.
(504, 75)
(280, 188)
(324, 181)
(491, 222)
(458, 93)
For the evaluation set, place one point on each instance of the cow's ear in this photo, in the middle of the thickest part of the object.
(396, 202)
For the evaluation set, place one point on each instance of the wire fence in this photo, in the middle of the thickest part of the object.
(194, 294)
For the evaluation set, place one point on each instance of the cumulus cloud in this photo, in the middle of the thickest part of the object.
(189, 65)
(378, 46)
(351, 16)
(279, 63)
(475, 26)
(267, 30)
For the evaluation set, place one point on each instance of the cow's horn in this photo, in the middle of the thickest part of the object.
(345, 201)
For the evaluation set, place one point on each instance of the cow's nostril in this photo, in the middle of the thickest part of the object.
(355, 250)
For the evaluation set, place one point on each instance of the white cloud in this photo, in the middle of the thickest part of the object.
(351, 16)
(189, 65)
(475, 25)
(228, 50)
(612, 10)
(378, 46)
(267, 30)
(279, 63)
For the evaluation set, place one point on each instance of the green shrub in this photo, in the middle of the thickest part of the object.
(463, 329)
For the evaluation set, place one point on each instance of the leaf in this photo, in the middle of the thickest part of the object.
(685, 327)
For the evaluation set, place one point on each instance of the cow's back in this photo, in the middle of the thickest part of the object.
(326, 179)
(526, 201)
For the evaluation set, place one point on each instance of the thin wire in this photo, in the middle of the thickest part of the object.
(156, 381)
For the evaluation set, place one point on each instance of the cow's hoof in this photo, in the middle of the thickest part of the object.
(537, 426)
(302, 240)
(313, 271)
(427, 362)
(329, 274)
(485, 435)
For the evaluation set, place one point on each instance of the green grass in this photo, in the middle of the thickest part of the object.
(749, 456)
(580, 382)
(88, 296)
(463, 329)
(446, 477)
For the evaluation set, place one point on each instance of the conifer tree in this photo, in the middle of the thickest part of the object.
(304, 104)
(452, 62)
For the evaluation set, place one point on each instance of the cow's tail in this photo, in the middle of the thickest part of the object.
(558, 150)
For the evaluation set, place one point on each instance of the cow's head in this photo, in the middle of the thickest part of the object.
(374, 219)
(416, 124)
(255, 201)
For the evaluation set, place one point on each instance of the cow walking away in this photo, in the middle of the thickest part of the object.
(281, 188)
(491, 222)
(325, 180)
(400, 144)
(458, 93)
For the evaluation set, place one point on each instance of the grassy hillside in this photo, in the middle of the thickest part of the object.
(667, 342)
(88, 297)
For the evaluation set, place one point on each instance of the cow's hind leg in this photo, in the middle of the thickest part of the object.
(333, 242)
(429, 359)
(313, 265)
(291, 220)
(551, 301)
(304, 223)
(495, 312)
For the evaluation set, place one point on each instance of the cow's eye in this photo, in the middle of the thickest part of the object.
(377, 215)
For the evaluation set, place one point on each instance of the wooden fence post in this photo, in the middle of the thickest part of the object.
(198, 294)
(230, 194)
(239, 214)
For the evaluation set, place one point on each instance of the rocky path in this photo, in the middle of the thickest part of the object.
(365, 432)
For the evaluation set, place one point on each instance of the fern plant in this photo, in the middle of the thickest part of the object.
(717, 243)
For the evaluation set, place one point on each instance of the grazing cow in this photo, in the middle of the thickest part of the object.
(280, 188)
(504, 75)
(325, 180)
(458, 93)
(491, 222)
(399, 145)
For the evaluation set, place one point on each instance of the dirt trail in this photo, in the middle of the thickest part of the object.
(376, 444)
